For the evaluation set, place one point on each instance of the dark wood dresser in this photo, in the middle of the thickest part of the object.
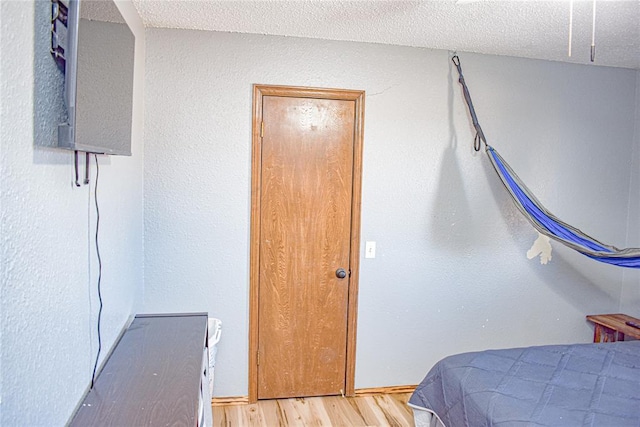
(154, 375)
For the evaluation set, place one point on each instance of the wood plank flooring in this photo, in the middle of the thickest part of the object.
(380, 410)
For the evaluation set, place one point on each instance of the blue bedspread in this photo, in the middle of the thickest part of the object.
(559, 385)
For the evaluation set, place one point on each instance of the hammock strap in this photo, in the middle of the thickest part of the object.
(467, 97)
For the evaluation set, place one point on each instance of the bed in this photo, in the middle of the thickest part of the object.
(557, 385)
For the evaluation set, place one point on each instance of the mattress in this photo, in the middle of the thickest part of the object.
(559, 385)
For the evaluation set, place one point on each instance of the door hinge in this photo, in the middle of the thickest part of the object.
(258, 362)
(262, 129)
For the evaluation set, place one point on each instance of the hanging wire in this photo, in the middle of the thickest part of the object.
(570, 26)
(95, 196)
(593, 34)
(77, 174)
(86, 169)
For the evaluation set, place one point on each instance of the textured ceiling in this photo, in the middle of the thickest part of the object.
(530, 29)
(105, 11)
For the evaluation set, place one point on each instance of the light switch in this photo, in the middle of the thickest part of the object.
(370, 250)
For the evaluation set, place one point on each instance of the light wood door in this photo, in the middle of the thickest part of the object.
(305, 237)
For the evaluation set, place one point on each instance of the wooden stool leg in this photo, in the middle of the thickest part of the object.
(598, 334)
(604, 334)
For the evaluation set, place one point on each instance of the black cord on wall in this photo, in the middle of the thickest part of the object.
(95, 196)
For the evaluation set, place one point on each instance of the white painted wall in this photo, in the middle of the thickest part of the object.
(48, 268)
(451, 272)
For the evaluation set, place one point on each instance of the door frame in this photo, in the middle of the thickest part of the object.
(259, 91)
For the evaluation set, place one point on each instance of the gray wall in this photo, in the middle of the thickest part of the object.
(451, 273)
(48, 268)
(630, 300)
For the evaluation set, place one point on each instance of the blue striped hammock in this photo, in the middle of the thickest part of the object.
(542, 220)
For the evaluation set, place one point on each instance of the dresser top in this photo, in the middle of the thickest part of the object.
(153, 375)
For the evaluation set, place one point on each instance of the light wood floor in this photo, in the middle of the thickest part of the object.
(381, 410)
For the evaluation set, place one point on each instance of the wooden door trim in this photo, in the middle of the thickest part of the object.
(259, 91)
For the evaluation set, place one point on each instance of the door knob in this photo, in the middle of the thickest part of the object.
(341, 273)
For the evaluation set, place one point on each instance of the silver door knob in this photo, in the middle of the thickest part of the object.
(341, 273)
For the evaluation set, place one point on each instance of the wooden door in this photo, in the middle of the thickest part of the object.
(307, 146)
